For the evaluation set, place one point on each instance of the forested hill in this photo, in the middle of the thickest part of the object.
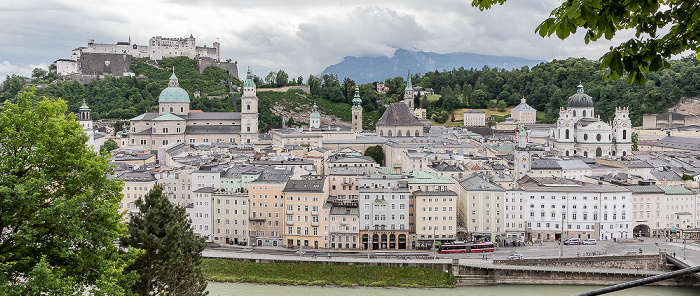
(545, 86)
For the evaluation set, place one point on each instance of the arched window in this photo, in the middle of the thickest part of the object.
(416, 133)
(389, 134)
(355, 116)
(624, 134)
(567, 134)
(408, 133)
(598, 137)
(381, 133)
(248, 106)
(182, 109)
(398, 134)
(585, 137)
(574, 113)
(585, 153)
(171, 109)
(584, 113)
(567, 152)
(598, 152)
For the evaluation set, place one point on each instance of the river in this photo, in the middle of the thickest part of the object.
(227, 289)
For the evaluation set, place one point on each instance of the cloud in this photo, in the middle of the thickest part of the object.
(8, 69)
(302, 37)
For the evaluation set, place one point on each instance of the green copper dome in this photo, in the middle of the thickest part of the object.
(249, 79)
(173, 93)
(357, 102)
(315, 114)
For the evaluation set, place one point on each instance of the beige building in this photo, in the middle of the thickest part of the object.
(435, 215)
(648, 210)
(420, 113)
(230, 218)
(523, 113)
(474, 118)
(136, 185)
(304, 201)
(482, 210)
(267, 207)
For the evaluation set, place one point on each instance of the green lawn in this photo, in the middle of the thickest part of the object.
(433, 97)
(223, 270)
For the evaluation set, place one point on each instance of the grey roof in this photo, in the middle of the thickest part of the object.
(300, 161)
(344, 210)
(573, 164)
(214, 116)
(580, 99)
(275, 175)
(668, 175)
(120, 166)
(204, 190)
(236, 172)
(545, 164)
(306, 185)
(435, 193)
(397, 114)
(645, 189)
(477, 183)
(350, 158)
(212, 129)
(554, 184)
(137, 177)
(350, 170)
(473, 111)
(445, 167)
(636, 164)
(127, 157)
(684, 143)
(523, 107)
(146, 116)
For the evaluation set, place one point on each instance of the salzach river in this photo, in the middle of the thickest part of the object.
(226, 289)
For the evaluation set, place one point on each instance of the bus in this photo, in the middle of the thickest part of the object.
(466, 248)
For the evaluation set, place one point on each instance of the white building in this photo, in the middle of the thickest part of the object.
(384, 211)
(578, 132)
(583, 210)
(524, 113)
(474, 118)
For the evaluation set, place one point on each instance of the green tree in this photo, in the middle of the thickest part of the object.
(108, 146)
(635, 139)
(172, 258)
(38, 73)
(59, 212)
(271, 78)
(493, 104)
(662, 29)
(502, 106)
(376, 153)
(281, 78)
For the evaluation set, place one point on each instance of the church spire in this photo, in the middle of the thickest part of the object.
(579, 88)
(409, 85)
(173, 80)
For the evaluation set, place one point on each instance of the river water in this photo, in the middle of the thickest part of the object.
(227, 289)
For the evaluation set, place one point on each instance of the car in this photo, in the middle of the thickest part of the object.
(515, 256)
(572, 241)
(590, 241)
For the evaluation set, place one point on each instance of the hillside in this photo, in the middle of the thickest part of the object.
(370, 69)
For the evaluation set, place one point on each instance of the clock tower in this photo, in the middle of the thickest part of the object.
(522, 163)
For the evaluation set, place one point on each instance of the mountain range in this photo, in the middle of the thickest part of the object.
(370, 69)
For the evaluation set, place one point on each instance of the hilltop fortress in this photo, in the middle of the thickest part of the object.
(99, 59)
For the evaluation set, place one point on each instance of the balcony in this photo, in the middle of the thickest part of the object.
(314, 213)
(346, 183)
(314, 223)
(290, 223)
(343, 223)
(290, 212)
(257, 219)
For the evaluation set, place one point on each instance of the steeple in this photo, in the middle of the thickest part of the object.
(173, 82)
(357, 102)
(84, 111)
(579, 88)
(409, 85)
(249, 79)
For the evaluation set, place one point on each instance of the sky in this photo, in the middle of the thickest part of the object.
(301, 37)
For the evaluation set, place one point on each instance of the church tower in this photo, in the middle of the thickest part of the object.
(622, 132)
(173, 99)
(315, 118)
(408, 97)
(357, 111)
(249, 111)
(86, 122)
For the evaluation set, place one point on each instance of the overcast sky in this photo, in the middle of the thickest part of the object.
(300, 36)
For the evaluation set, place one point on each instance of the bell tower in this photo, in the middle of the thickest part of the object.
(357, 111)
(249, 111)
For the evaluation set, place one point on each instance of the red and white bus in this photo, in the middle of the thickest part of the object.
(466, 248)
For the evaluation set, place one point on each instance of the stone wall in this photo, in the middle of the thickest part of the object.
(645, 262)
(232, 68)
(104, 63)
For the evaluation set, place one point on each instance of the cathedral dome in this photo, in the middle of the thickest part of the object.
(580, 99)
(173, 93)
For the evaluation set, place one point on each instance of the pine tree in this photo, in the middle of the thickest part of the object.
(171, 262)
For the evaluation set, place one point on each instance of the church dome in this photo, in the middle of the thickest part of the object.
(580, 99)
(173, 93)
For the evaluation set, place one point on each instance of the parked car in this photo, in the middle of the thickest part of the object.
(590, 241)
(515, 256)
(572, 241)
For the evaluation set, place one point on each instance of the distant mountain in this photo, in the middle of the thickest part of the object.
(370, 69)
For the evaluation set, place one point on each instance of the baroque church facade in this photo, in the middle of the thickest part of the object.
(176, 123)
(579, 132)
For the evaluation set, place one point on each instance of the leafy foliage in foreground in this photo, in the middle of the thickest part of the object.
(59, 212)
